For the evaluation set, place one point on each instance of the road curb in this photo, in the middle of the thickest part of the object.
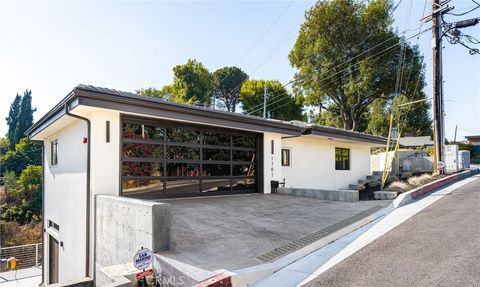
(409, 196)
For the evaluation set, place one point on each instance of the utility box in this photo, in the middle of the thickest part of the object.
(463, 159)
(451, 158)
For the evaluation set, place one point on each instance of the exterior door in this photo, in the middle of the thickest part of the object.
(53, 261)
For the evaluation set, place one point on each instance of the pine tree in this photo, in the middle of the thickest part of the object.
(12, 120)
(25, 116)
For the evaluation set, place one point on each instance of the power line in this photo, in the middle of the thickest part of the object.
(287, 96)
(403, 53)
(352, 65)
(256, 43)
(353, 58)
(416, 44)
(275, 50)
(291, 99)
(293, 28)
(464, 13)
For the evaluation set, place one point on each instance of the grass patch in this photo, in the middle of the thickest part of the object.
(417, 181)
(411, 183)
(399, 186)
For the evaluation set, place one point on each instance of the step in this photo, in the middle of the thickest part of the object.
(365, 181)
(385, 195)
(373, 184)
(356, 186)
(374, 177)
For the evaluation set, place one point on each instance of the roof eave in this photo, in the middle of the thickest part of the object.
(51, 116)
(347, 135)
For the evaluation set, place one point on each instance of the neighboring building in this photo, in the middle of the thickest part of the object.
(102, 141)
(423, 141)
(475, 140)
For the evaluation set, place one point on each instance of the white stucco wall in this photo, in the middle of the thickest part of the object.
(313, 163)
(65, 190)
(272, 166)
(105, 155)
(65, 199)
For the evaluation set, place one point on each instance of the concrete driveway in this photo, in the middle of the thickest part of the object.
(232, 231)
(28, 277)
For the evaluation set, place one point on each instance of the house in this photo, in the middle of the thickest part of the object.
(475, 140)
(422, 141)
(98, 141)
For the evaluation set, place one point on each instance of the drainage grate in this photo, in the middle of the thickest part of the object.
(309, 239)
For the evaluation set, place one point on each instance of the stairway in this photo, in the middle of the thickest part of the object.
(370, 181)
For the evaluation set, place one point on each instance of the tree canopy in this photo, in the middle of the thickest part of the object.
(192, 83)
(25, 153)
(20, 165)
(280, 104)
(228, 83)
(154, 92)
(347, 56)
(20, 117)
(12, 120)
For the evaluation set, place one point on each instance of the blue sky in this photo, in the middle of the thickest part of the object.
(49, 47)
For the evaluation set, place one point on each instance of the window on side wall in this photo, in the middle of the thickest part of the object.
(342, 158)
(54, 152)
(285, 157)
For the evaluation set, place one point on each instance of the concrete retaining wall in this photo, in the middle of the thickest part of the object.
(83, 282)
(178, 274)
(407, 197)
(124, 225)
(415, 162)
(336, 195)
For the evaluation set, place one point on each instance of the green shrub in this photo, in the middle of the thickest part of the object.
(23, 195)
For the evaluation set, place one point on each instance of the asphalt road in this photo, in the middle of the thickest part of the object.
(439, 246)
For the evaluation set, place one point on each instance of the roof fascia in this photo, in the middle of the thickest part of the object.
(52, 116)
(346, 135)
(177, 112)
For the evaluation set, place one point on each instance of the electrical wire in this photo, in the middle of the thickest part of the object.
(275, 50)
(256, 43)
(457, 40)
(260, 106)
(270, 55)
(293, 98)
(353, 58)
(403, 53)
(464, 13)
(416, 44)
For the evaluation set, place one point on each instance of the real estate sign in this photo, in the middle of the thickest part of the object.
(142, 259)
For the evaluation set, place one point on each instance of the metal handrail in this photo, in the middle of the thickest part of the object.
(29, 255)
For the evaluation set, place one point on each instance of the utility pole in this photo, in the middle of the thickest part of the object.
(264, 101)
(455, 137)
(438, 114)
(438, 9)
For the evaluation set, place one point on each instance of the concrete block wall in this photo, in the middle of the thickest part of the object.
(123, 225)
(336, 195)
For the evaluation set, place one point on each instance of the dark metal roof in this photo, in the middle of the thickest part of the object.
(129, 102)
(346, 134)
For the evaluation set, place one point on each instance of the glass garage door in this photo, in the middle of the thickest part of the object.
(168, 159)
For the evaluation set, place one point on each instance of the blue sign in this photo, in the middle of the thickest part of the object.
(143, 258)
